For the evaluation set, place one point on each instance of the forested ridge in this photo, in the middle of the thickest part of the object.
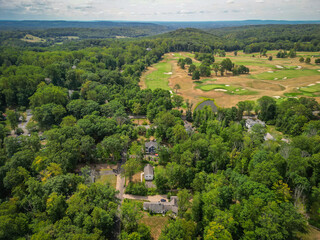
(231, 183)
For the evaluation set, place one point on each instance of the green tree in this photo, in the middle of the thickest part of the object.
(56, 206)
(308, 60)
(192, 68)
(196, 75)
(130, 215)
(177, 100)
(177, 87)
(183, 201)
(216, 231)
(227, 64)
(49, 94)
(178, 229)
(267, 108)
(216, 68)
(13, 119)
(131, 167)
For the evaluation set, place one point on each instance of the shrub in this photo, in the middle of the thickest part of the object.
(137, 189)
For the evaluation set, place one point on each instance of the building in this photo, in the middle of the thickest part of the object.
(250, 123)
(148, 172)
(162, 207)
(151, 147)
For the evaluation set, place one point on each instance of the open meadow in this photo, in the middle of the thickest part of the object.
(280, 77)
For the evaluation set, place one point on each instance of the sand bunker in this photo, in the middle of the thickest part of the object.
(220, 90)
(270, 71)
(277, 97)
(299, 67)
(168, 73)
(278, 66)
(284, 78)
(311, 85)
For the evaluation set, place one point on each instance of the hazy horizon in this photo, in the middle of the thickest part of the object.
(160, 10)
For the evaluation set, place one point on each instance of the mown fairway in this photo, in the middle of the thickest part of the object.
(159, 77)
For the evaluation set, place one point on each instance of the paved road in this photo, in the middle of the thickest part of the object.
(155, 198)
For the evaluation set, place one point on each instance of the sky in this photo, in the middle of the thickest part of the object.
(160, 10)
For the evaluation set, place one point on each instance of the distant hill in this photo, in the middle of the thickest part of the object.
(11, 25)
(222, 24)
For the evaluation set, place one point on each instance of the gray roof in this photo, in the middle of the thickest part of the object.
(148, 170)
(151, 144)
(250, 123)
(162, 207)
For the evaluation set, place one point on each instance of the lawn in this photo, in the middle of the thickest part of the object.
(156, 224)
(111, 179)
(158, 78)
(282, 74)
(226, 89)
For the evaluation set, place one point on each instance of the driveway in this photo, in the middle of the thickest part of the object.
(23, 125)
(155, 198)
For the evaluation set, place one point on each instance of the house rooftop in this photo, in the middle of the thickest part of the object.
(151, 144)
(148, 170)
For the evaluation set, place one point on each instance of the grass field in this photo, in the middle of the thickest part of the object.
(111, 179)
(156, 224)
(159, 78)
(285, 74)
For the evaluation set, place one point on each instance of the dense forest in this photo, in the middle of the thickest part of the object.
(82, 94)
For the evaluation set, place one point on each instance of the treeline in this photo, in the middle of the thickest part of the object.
(304, 37)
(248, 38)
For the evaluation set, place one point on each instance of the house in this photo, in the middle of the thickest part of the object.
(148, 172)
(162, 207)
(151, 147)
(250, 123)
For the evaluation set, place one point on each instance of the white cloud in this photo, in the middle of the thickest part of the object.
(159, 10)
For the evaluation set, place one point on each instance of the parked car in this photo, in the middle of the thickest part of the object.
(163, 200)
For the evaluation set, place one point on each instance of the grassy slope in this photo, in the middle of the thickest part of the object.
(158, 78)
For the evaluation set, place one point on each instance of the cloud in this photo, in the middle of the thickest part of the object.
(158, 10)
